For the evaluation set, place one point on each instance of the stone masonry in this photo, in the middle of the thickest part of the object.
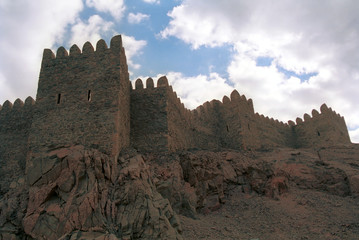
(86, 98)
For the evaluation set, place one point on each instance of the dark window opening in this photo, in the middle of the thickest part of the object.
(89, 95)
(249, 127)
(318, 133)
(227, 128)
(58, 98)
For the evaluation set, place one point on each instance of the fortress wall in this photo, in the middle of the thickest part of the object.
(239, 132)
(15, 123)
(159, 121)
(232, 124)
(206, 125)
(321, 129)
(225, 124)
(246, 130)
(273, 133)
(83, 98)
(149, 128)
(180, 133)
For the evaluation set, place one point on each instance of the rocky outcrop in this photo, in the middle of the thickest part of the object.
(13, 206)
(85, 194)
(199, 182)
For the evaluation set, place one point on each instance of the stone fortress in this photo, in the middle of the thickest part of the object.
(86, 98)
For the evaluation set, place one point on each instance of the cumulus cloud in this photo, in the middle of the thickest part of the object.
(133, 48)
(354, 135)
(303, 37)
(196, 90)
(5, 91)
(115, 7)
(30, 27)
(137, 18)
(27, 27)
(91, 31)
(96, 28)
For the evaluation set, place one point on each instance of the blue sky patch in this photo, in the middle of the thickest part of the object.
(264, 61)
(303, 76)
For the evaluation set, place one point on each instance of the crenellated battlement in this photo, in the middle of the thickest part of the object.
(324, 128)
(87, 49)
(275, 122)
(159, 121)
(7, 106)
(18, 105)
(85, 97)
(324, 112)
(161, 82)
(15, 123)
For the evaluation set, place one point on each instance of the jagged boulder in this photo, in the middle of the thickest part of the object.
(12, 211)
(85, 192)
(167, 175)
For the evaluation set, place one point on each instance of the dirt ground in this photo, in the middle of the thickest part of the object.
(298, 214)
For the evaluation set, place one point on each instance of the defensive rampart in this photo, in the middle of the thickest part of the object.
(326, 128)
(233, 124)
(159, 121)
(82, 98)
(85, 98)
(15, 123)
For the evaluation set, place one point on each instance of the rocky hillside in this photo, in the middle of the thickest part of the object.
(269, 194)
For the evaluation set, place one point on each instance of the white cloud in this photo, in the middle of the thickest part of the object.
(91, 31)
(115, 7)
(300, 36)
(152, 1)
(272, 92)
(196, 90)
(27, 27)
(96, 28)
(354, 135)
(137, 18)
(31, 27)
(5, 91)
(133, 48)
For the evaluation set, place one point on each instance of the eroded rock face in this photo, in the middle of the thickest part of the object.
(85, 194)
(88, 192)
(12, 211)
(198, 182)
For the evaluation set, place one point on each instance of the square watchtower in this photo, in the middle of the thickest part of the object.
(83, 98)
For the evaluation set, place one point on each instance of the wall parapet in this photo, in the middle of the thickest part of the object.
(161, 82)
(320, 129)
(87, 49)
(15, 125)
(17, 106)
(93, 85)
(315, 115)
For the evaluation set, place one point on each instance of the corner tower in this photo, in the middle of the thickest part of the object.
(82, 98)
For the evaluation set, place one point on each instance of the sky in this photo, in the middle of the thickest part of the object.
(289, 56)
